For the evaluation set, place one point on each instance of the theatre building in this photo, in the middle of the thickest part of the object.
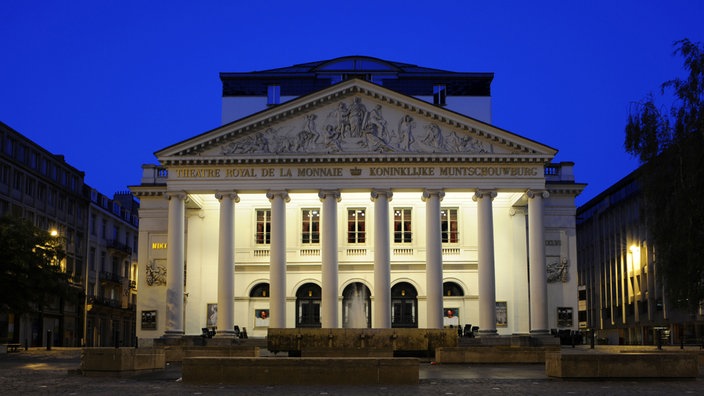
(356, 192)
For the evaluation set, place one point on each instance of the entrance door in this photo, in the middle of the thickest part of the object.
(404, 305)
(308, 306)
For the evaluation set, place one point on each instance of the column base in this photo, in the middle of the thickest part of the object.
(225, 334)
(487, 333)
(173, 334)
(539, 332)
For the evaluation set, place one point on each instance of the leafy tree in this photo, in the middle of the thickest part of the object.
(670, 146)
(30, 268)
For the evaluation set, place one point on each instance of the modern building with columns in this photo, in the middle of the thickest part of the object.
(356, 192)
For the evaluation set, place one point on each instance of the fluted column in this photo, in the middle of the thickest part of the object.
(433, 257)
(226, 264)
(277, 259)
(382, 259)
(536, 254)
(329, 273)
(486, 267)
(175, 261)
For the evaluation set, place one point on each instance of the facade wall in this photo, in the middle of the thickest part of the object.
(252, 261)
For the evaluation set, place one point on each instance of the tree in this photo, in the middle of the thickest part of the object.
(670, 147)
(30, 268)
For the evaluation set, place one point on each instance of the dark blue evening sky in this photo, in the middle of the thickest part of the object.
(108, 83)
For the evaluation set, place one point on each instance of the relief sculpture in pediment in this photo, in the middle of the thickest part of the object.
(354, 128)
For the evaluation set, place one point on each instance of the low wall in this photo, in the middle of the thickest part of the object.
(492, 354)
(622, 365)
(215, 351)
(121, 361)
(300, 371)
(300, 339)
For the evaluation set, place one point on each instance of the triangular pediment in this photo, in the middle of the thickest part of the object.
(356, 119)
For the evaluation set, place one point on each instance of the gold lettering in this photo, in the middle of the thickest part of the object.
(158, 245)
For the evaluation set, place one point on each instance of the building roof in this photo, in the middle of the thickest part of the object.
(304, 78)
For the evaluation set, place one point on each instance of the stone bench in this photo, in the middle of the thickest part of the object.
(300, 371)
(622, 365)
(492, 354)
(121, 361)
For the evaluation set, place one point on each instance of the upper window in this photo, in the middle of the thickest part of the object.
(273, 96)
(263, 235)
(448, 225)
(439, 95)
(356, 230)
(310, 227)
(402, 225)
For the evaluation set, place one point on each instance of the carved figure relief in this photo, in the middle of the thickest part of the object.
(352, 128)
(156, 274)
(558, 271)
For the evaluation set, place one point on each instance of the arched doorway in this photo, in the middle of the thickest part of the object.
(404, 305)
(356, 306)
(308, 305)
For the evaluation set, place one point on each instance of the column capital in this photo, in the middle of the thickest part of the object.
(479, 194)
(180, 195)
(271, 194)
(428, 192)
(535, 193)
(516, 211)
(219, 195)
(378, 192)
(335, 194)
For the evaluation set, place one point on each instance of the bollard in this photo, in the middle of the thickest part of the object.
(48, 340)
(591, 339)
(659, 335)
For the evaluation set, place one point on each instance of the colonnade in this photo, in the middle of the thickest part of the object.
(329, 260)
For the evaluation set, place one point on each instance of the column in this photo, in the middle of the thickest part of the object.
(175, 264)
(381, 318)
(226, 264)
(486, 271)
(277, 259)
(328, 236)
(536, 257)
(433, 257)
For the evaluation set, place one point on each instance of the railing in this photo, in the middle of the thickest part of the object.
(110, 277)
(106, 302)
(115, 245)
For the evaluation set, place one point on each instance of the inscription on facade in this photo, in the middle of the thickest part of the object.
(337, 172)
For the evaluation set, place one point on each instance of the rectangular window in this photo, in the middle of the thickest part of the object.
(310, 227)
(263, 235)
(402, 225)
(439, 95)
(273, 96)
(91, 259)
(448, 225)
(356, 226)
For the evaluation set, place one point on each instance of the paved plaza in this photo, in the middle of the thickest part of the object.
(38, 371)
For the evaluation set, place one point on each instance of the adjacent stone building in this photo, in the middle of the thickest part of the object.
(97, 233)
(622, 297)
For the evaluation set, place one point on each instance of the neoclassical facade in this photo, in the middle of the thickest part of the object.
(356, 206)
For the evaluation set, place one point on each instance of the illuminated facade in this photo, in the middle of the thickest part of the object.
(356, 177)
(622, 297)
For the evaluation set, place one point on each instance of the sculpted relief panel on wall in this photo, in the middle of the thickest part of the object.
(352, 127)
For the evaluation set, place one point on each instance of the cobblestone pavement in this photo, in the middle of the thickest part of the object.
(37, 372)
